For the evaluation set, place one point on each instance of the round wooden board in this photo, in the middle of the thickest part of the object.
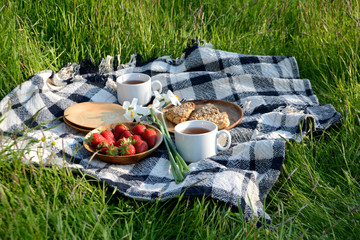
(234, 111)
(123, 159)
(94, 114)
(85, 130)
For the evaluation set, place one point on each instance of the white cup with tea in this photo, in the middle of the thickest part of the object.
(136, 85)
(198, 139)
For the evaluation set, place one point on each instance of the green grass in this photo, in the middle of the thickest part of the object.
(317, 195)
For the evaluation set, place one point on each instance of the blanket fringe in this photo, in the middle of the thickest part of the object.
(113, 63)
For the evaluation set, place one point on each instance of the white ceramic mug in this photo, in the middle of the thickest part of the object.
(136, 85)
(198, 139)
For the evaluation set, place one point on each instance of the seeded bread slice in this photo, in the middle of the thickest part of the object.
(205, 111)
(211, 113)
(180, 113)
(220, 119)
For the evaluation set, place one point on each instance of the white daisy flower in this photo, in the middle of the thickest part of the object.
(49, 141)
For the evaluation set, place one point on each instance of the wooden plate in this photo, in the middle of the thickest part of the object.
(234, 111)
(94, 114)
(123, 159)
(85, 130)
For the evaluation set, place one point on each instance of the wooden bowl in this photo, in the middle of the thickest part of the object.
(123, 159)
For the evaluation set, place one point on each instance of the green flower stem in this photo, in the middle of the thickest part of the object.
(178, 165)
(178, 175)
(164, 124)
(180, 161)
(181, 168)
(176, 178)
(153, 116)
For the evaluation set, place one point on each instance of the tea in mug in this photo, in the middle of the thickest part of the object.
(133, 82)
(195, 130)
(198, 139)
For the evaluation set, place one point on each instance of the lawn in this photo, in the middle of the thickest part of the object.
(317, 195)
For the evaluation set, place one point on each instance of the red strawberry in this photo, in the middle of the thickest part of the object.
(112, 150)
(126, 134)
(137, 138)
(138, 129)
(122, 141)
(96, 139)
(103, 147)
(127, 149)
(109, 136)
(141, 146)
(118, 142)
(104, 150)
(149, 136)
(119, 129)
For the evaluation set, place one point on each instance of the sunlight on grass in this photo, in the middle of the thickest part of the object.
(317, 193)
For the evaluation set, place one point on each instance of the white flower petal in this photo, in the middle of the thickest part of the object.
(130, 109)
(158, 95)
(170, 97)
(156, 103)
(144, 111)
(141, 112)
(156, 109)
(134, 102)
(126, 104)
(128, 117)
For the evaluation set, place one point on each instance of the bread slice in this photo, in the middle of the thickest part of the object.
(211, 113)
(205, 111)
(180, 113)
(220, 119)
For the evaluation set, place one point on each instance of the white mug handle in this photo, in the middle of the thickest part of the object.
(228, 136)
(156, 86)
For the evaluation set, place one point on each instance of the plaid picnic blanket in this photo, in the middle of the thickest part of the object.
(278, 106)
